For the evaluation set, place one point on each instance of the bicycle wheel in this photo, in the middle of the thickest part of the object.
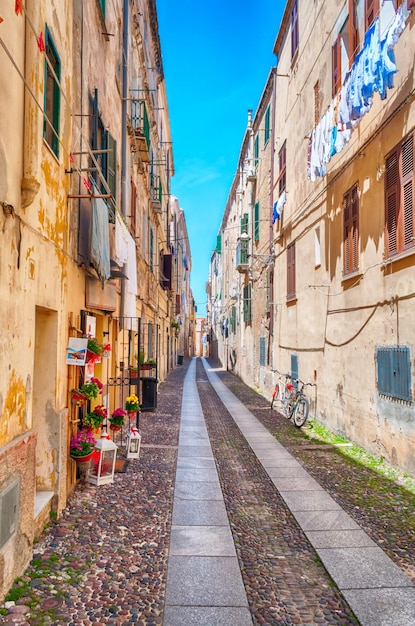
(275, 395)
(301, 411)
(288, 404)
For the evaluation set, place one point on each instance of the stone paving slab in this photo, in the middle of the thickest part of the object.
(206, 616)
(195, 462)
(196, 450)
(362, 568)
(340, 538)
(197, 491)
(287, 472)
(199, 512)
(309, 501)
(201, 541)
(383, 607)
(204, 581)
(202, 474)
(325, 520)
(303, 483)
(284, 461)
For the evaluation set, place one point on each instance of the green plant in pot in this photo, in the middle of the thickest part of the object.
(96, 417)
(92, 388)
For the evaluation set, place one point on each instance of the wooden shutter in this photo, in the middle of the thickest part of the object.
(294, 29)
(133, 209)
(112, 165)
(353, 32)
(351, 231)
(392, 203)
(256, 221)
(282, 159)
(291, 271)
(336, 67)
(407, 168)
(371, 12)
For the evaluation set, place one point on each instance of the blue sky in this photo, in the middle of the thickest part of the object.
(216, 59)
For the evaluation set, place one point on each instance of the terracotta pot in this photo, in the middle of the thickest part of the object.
(114, 427)
(83, 459)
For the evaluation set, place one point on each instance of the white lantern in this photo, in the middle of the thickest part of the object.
(103, 462)
(133, 444)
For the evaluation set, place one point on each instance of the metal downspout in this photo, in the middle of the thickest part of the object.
(124, 130)
(271, 228)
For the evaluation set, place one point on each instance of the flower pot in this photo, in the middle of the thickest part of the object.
(83, 459)
(78, 397)
(115, 427)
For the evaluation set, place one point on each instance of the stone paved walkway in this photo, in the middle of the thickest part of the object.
(110, 559)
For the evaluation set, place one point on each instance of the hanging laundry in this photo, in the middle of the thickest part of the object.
(18, 7)
(99, 239)
(41, 43)
(278, 207)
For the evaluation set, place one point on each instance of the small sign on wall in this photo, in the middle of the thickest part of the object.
(76, 351)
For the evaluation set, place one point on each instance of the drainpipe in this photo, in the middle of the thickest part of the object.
(271, 198)
(124, 129)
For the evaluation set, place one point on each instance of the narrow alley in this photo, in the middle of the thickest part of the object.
(231, 516)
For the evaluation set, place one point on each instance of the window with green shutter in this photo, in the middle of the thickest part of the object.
(247, 303)
(267, 125)
(244, 223)
(102, 4)
(256, 150)
(262, 351)
(256, 221)
(219, 244)
(232, 320)
(52, 95)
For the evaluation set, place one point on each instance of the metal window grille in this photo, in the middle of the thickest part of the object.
(394, 372)
(262, 352)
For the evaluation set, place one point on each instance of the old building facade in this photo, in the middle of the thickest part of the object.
(88, 244)
(342, 220)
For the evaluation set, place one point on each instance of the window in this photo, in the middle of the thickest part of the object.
(247, 303)
(267, 125)
(340, 54)
(353, 32)
(399, 198)
(256, 150)
(351, 231)
(232, 319)
(371, 12)
(394, 372)
(282, 158)
(219, 244)
(256, 221)
(262, 351)
(151, 249)
(267, 291)
(294, 29)
(105, 148)
(291, 271)
(133, 209)
(52, 95)
(244, 223)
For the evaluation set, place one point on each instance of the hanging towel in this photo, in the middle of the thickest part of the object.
(100, 240)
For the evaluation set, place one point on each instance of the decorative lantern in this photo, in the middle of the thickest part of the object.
(103, 462)
(133, 444)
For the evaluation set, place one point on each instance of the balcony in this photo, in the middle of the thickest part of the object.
(241, 261)
(141, 130)
(156, 192)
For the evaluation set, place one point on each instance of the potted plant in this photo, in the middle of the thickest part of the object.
(132, 404)
(117, 418)
(82, 446)
(92, 388)
(176, 327)
(94, 350)
(96, 417)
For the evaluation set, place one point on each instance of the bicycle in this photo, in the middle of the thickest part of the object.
(283, 392)
(298, 405)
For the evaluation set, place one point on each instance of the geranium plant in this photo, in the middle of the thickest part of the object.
(132, 403)
(82, 443)
(92, 388)
(95, 418)
(118, 417)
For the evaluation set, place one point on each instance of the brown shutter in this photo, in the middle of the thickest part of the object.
(407, 162)
(335, 67)
(291, 271)
(353, 32)
(371, 12)
(392, 204)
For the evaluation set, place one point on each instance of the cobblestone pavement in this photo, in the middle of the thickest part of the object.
(105, 560)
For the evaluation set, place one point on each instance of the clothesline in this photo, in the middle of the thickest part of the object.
(372, 71)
